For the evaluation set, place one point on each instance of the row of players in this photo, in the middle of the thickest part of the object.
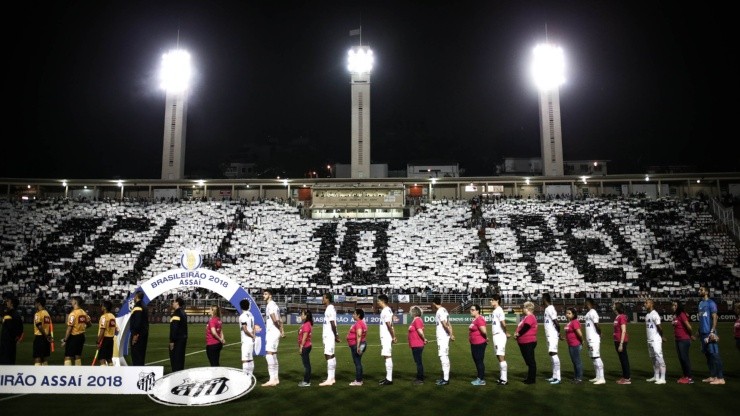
(525, 334)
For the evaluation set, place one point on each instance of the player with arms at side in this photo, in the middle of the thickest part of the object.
(708, 337)
(444, 336)
(248, 331)
(107, 330)
(275, 331)
(655, 341)
(74, 339)
(42, 333)
(330, 337)
(552, 334)
(593, 339)
(500, 335)
(387, 338)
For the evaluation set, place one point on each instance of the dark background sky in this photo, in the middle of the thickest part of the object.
(647, 84)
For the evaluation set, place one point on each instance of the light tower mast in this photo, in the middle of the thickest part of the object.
(175, 77)
(360, 63)
(548, 71)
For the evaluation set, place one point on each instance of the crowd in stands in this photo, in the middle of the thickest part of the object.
(518, 246)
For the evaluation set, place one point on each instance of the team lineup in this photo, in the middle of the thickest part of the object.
(525, 335)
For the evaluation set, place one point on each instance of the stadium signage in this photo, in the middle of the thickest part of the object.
(467, 319)
(202, 386)
(191, 274)
(18, 379)
(346, 319)
(668, 318)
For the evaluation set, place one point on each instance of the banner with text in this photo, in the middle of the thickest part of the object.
(59, 379)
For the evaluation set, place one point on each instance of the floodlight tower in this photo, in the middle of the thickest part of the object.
(175, 77)
(548, 71)
(360, 63)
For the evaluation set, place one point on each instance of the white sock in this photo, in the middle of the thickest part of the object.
(661, 368)
(248, 367)
(331, 368)
(504, 367)
(389, 369)
(599, 365)
(656, 369)
(445, 367)
(272, 366)
(555, 367)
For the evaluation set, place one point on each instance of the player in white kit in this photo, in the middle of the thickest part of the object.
(330, 337)
(552, 334)
(387, 338)
(655, 342)
(500, 335)
(444, 335)
(272, 338)
(248, 333)
(593, 338)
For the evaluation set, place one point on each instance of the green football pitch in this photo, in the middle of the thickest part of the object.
(404, 398)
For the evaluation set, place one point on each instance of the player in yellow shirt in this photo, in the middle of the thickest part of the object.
(77, 322)
(107, 330)
(42, 334)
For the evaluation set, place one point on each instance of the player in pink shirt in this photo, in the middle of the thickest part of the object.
(304, 346)
(417, 341)
(357, 344)
(574, 338)
(621, 340)
(214, 337)
(478, 341)
(526, 337)
(682, 331)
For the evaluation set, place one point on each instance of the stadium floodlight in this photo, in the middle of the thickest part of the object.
(360, 60)
(548, 68)
(175, 72)
(175, 76)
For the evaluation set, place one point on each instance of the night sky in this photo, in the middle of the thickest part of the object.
(647, 83)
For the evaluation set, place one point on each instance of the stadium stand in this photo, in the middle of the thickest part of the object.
(521, 247)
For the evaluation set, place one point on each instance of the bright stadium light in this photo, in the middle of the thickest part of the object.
(175, 74)
(176, 71)
(360, 60)
(548, 68)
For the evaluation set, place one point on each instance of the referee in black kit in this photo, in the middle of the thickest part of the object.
(178, 335)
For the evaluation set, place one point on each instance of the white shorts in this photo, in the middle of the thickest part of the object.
(386, 347)
(655, 348)
(248, 350)
(593, 349)
(499, 344)
(330, 344)
(552, 343)
(272, 340)
(443, 346)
